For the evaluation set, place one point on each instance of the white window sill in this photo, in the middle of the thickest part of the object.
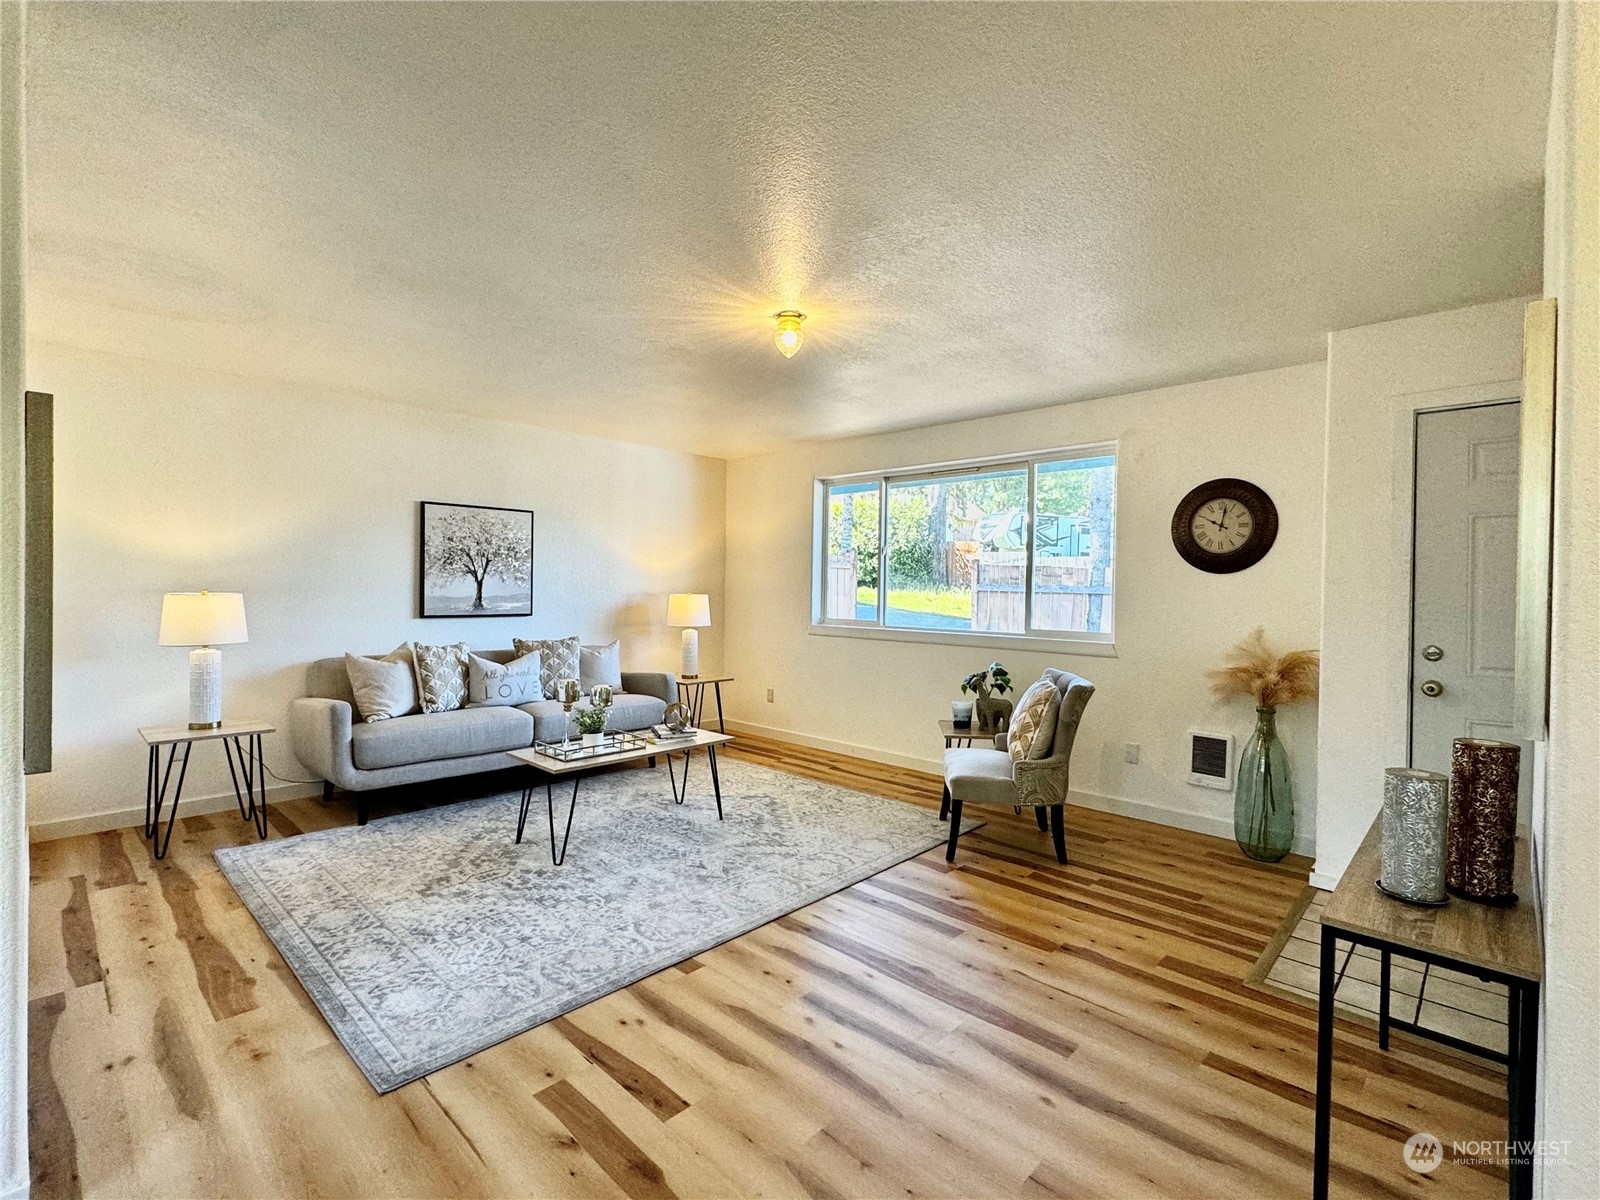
(1072, 647)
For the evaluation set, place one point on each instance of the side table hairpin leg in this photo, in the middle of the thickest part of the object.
(159, 843)
(253, 771)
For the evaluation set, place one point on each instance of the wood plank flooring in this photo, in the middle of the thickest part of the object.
(1003, 1027)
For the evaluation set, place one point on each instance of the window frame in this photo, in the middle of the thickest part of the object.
(1088, 643)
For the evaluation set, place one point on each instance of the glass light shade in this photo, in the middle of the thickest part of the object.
(202, 619)
(689, 609)
(788, 336)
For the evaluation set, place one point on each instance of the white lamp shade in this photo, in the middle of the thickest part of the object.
(202, 619)
(689, 609)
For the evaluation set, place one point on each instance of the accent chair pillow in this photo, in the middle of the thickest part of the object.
(600, 664)
(491, 684)
(558, 659)
(442, 676)
(1033, 724)
(384, 687)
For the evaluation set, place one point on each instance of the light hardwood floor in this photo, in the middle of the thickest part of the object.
(1005, 1027)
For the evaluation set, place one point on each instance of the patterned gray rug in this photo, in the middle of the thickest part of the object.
(430, 936)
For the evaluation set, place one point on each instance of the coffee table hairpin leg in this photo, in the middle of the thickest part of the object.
(680, 793)
(557, 857)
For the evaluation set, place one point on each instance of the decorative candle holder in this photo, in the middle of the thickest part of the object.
(567, 691)
(1482, 839)
(961, 713)
(1416, 811)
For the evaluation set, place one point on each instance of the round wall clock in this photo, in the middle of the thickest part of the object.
(1225, 525)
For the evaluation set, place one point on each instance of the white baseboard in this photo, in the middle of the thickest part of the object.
(16, 1190)
(1139, 810)
(1321, 879)
(133, 818)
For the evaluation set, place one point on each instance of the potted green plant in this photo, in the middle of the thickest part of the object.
(591, 723)
(992, 713)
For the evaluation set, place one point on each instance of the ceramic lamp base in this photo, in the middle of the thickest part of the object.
(205, 688)
(691, 653)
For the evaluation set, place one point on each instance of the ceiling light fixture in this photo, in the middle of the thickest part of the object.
(788, 335)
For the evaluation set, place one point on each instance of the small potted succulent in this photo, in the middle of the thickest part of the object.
(591, 723)
(992, 713)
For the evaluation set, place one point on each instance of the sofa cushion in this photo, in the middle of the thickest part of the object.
(459, 733)
(491, 684)
(1033, 725)
(384, 687)
(600, 664)
(441, 676)
(629, 713)
(558, 659)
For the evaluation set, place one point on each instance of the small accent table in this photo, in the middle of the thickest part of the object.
(551, 768)
(1498, 943)
(241, 738)
(954, 734)
(692, 691)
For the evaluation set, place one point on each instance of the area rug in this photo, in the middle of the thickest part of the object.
(427, 937)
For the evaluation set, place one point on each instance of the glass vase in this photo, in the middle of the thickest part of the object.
(1263, 805)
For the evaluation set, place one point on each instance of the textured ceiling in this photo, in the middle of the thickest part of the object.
(584, 215)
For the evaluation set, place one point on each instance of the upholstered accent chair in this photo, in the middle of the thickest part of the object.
(984, 776)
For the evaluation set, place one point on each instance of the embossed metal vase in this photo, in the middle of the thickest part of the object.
(1482, 837)
(1416, 810)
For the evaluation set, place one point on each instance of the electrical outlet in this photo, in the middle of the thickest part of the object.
(1130, 752)
(769, 695)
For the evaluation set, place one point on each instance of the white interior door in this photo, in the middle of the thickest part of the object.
(1464, 593)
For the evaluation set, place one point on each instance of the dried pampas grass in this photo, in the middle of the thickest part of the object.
(1254, 670)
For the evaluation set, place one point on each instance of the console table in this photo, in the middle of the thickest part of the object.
(249, 775)
(1498, 943)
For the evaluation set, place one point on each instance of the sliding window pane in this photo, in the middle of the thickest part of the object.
(1075, 502)
(851, 588)
(957, 551)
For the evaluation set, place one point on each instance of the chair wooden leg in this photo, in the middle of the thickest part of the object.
(1058, 831)
(944, 804)
(1038, 815)
(955, 830)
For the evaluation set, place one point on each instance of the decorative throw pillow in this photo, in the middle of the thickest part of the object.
(1033, 724)
(442, 676)
(490, 683)
(600, 664)
(558, 659)
(383, 687)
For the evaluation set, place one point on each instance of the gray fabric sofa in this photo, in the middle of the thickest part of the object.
(330, 738)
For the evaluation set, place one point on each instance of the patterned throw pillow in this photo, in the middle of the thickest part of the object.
(383, 687)
(558, 659)
(491, 684)
(442, 676)
(1033, 725)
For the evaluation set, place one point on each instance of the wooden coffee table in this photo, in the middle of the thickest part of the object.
(553, 768)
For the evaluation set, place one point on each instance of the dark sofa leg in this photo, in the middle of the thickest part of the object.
(955, 830)
(1058, 831)
(1038, 814)
(652, 760)
(361, 810)
(327, 791)
(944, 804)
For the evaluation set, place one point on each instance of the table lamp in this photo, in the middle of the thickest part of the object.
(692, 611)
(203, 620)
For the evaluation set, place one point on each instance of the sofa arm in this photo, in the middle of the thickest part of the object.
(1001, 741)
(663, 685)
(1040, 781)
(319, 733)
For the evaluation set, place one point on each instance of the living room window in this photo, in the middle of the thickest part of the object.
(1016, 547)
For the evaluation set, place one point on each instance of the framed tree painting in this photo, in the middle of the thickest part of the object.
(476, 561)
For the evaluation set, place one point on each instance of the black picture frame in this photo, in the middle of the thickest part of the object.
(460, 593)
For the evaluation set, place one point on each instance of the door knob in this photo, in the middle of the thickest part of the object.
(1432, 688)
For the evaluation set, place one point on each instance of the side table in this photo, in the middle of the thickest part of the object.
(964, 736)
(241, 738)
(692, 691)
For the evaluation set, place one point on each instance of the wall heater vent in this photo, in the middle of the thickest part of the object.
(1211, 760)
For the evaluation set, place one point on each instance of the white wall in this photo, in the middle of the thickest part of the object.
(170, 480)
(1570, 841)
(881, 698)
(1379, 376)
(13, 834)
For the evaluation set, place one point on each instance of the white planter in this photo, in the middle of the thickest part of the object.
(592, 739)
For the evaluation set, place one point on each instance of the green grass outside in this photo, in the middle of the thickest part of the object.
(947, 602)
